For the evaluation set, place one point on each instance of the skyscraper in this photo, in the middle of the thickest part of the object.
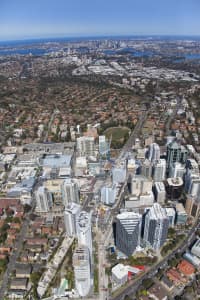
(156, 226)
(84, 232)
(128, 231)
(85, 146)
(159, 170)
(70, 192)
(177, 170)
(176, 153)
(44, 200)
(147, 168)
(71, 215)
(82, 270)
(154, 152)
(108, 194)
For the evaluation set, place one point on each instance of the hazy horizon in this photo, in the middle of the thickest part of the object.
(22, 19)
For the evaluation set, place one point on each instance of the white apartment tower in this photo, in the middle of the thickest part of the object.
(159, 170)
(70, 192)
(44, 200)
(84, 232)
(156, 226)
(82, 270)
(71, 215)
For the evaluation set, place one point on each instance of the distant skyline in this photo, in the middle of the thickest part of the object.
(23, 19)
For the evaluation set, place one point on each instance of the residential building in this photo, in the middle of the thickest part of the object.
(156, 226)
(171, 214)
(108, 194)
(181, 215)
(154, 152)
(44, 200)
(82, 270)
(159, 170)
(160, 192)
(85, 146)
(71, 215)
(84, 231)
(70, 192)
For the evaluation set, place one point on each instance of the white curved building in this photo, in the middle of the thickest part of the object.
(82, 270)
(84, 232)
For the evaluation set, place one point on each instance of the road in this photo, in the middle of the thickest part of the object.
(13, 258)
(133, 286)
(49, 125)
(104, 237)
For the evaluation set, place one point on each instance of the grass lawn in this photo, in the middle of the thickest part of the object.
(117, 133)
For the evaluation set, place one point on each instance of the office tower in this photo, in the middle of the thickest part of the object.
(82, 270)
(70, 192)
(71, 215)
(156, 226)
(177, 170)
(141, 185)
(128, 231)
(85, 146)
(174, 187)
(104, 145)
(159, 170)
(171, 214)
(44, 200)
(146, 168)
(192, 207)
(181, 215)
(160, 193)
(194, 187)
(176, 153)
(154, 152)
(108, 194)
(84, 232)
(119, 174)
(192, 167)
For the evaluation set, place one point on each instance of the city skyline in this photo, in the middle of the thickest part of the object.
(23, 19)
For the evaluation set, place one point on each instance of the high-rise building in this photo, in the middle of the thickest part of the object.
(159, 170)
(156, 226)
(104, 146)
(82, 270)
(146, 168)
(44, 200)
(177, 170)
(71, 215)
(154, 152)
(85, 146)
(192, 207)
(70, 192)
(174, 187)
(192, 166)
(181, 215)
(128, 231)
(160, 192)
(108, 194)
(171, 214)
(84, 232)
(119, 174)
(141, 185)
(176, 153)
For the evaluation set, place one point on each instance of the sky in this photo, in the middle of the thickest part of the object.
(20, 19)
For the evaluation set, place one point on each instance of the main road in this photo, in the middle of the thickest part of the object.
(104, 237)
